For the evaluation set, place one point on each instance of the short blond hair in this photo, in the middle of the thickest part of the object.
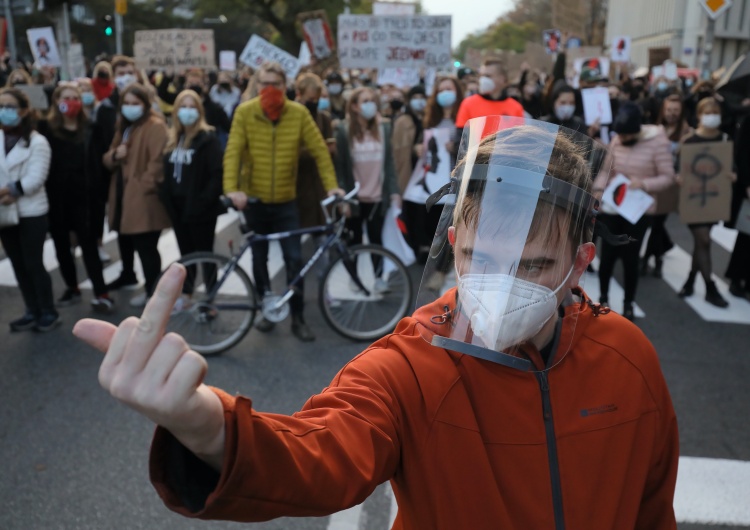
(308, 81)
(273, 68)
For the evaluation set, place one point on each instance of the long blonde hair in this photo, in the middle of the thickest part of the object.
(177, 130)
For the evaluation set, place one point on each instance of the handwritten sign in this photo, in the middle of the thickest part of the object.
(375, 41)
(174, 49)
(620, 50)
(398, 77)
(706, 188)
(596, 105)
(629, 203)
(258, 50)
(76, 62)
(228, 60)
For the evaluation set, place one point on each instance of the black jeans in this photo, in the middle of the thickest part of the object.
(268, 219)
(421, 226)
(195, 237)
(629, 254)
(146, 246)
(372, 214)
(24, 245)
(63, 221)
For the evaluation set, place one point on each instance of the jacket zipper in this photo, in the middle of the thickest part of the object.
(554, 465)
(273, 164)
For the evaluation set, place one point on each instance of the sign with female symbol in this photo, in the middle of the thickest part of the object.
(706, 187)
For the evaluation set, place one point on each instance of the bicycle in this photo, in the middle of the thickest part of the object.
(363, 293)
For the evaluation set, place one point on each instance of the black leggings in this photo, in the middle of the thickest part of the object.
(146, 246)
(371, 214)
(701, 251)
(628, 253)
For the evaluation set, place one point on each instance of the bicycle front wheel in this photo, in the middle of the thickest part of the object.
(365, 292)
(217, 307)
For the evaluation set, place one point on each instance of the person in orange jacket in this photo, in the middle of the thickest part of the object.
(510, 401)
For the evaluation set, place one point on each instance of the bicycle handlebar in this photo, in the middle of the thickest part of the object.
(346, 198)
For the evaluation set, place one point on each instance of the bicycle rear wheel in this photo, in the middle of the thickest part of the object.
(213, 320)
(365, 292)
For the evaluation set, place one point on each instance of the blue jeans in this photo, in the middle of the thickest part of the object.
(268, 219)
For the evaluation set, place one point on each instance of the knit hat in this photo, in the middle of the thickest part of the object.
(628, 119)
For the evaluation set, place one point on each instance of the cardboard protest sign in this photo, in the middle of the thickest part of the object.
(370, 41)
(174, 49)
(228, 60)
(706, 188)
(596, 105)
(552, 39)
(36, 94)
(620, 51)
(657, 56)
(43, 47)
(319, 38)
(258, 50)
(629, 203)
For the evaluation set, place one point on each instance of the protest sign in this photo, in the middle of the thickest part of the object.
(43, 47)
(228, 60)
(398, 77)
(592, 67)
(258, 50)
(370, 41)
(629, 203)
(670, 70)
(304, 54)
(319, 39)
(37, 97)
(174, 49)
(706, 188)
(620, 51)
(76, 62)
(393, 8)
(552, 39)
(596, 105)
(657, 56)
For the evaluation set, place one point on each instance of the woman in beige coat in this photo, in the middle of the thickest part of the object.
(135, 159)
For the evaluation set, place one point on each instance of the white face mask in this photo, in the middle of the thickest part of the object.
(368, 110)
(122, 81)
(486, 85)
(564, 112)
(505, 311)
(711, 121)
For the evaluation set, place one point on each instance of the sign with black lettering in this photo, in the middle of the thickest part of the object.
(258, 50)
(174, 49)
(379, 41)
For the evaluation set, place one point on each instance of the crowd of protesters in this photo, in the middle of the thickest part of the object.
(150, 151)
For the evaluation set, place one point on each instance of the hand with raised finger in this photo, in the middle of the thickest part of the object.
(158, 375)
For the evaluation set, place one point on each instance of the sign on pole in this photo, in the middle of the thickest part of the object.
(374, 41)
(319, 39)
(715, 8)
(177, 49)
(258, 50)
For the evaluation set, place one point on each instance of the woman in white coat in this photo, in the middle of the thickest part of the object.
(24, 163)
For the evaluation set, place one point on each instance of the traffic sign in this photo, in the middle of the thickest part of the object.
(121, 7)
(715, 8)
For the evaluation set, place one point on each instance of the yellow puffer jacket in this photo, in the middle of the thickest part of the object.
(261, 158)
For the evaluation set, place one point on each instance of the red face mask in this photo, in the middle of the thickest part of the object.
(102, 88)
(70, 107)
(272, 102)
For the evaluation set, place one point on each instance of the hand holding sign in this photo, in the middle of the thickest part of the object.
(158, 375)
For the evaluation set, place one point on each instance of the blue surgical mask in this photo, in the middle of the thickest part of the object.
(368, 110)
(418, 104)
(324, 104)
(132, 112)
(187, 116)
(87, 98)
(661, 86)
(9, 117)
(446, 98)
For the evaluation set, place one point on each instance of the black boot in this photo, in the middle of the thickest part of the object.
(689, 288)
(628, 311)
(264, 325)
(713, 296)
(735, 288)
(656, 273)
(301, 330)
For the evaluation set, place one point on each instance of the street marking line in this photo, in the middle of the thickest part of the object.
(346, 520)
(713, 491)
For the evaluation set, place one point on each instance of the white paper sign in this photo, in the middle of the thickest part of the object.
(43, 47)
(175, 48)
(228, 60)
(316, 29)
(596, 105)
(76, 62)
(630, 204)
(393, 8)
(578, 65)
(399, 77)
(258, 50)
(370, 41)
(304, 54)
(620, 51)
(433, 169)
(670, 70)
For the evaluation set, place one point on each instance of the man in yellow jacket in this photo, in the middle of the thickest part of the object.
(260, 163)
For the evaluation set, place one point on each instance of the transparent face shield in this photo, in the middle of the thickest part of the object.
(512, 244)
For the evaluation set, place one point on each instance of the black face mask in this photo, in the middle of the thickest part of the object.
(629, 143)
(102, 75)
(225, 86)
(312, 106)
(196, 88)
(396, 105)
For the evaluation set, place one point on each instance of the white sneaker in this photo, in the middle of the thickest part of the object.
(139, 300)
(381, 286)
(103, 256)
(181, 304)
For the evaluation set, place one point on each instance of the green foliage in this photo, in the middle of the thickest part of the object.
(503, 35)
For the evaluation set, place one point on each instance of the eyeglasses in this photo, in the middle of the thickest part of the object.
(264, 84)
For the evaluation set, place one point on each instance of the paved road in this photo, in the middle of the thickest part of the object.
(75, 459)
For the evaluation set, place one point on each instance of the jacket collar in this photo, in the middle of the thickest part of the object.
(19, 154)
